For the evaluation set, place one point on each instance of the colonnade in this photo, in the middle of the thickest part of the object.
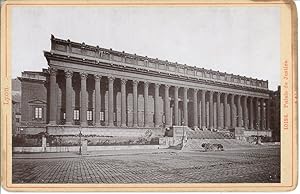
(210, 109)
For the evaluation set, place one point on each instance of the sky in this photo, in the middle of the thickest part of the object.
(238, 40)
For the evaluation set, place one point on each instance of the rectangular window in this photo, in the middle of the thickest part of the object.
(89, 115)
(101, 116)
(64, 115)
(38, 112)
(76, 115)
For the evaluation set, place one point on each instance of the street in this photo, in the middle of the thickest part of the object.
(259, 165)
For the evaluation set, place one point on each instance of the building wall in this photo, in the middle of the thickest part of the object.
(34, 93)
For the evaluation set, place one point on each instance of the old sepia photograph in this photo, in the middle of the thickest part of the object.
(145, 94)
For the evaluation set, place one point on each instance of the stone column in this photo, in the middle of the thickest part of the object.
(53, 102)
(98, 100)
(135, 103)
(245, 109)
(69, 112)
(263, 114)
(185, 107)
(257, 118)
(195, 109)
(251, 116)
(176, 105)
(268, 114)
(111, 101)
(167, 106)
(156, 106)
(226, 111)
(146, 105)
(233, 117)
(211, 110)
(203, 112)
(123, 102)
(240, 112)
(83, 99)
(219, 110)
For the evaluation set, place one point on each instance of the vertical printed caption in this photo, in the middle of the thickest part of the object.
(285, 95)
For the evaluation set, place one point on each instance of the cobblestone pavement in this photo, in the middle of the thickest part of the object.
(251, 166)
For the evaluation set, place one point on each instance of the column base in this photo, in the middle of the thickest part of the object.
(52, 123)
(68, 123)
(97, 125)
(146, 125)
(204, 128)
(111, 125)
(83, 124)
(156, 126)
(123, 125)
(135, 125)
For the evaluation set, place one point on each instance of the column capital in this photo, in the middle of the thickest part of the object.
(177, 87)
(196, 91)
(135, 82)
(185, 89)
(211, 92)
(83, 75)
(68, 73)
(146, 84)
(111, 78)
(123, 81)
(167, 86)
(157, 84)
(97, 77)
(219, 94)
(52, 71)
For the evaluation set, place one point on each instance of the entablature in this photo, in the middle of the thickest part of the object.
(134, 73)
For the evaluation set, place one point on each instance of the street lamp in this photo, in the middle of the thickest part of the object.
(256, 123)
(80, 134)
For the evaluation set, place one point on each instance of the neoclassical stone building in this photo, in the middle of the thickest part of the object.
(92, 87)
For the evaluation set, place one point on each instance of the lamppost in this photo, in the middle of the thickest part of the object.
(80, 134)
(256, 124)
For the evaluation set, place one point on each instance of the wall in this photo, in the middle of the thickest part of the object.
(32, 90)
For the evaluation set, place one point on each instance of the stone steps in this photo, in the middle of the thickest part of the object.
(228, 144)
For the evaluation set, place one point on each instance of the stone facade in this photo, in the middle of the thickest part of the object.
(34, 96)
(89, 86)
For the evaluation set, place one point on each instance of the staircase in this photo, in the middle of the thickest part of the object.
(195, 139)
(228, 144)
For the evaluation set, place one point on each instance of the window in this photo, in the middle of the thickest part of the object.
(89, 115)
(38, 112)
(101, 116)
(64, 115)
(76, 115)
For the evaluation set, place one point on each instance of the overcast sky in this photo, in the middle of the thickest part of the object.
(238, 40)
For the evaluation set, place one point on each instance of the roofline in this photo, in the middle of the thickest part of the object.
(91, 47)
